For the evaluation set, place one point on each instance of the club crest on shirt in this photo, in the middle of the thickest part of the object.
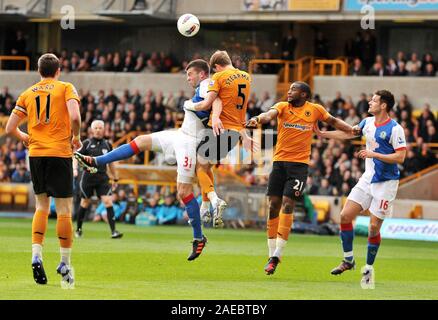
(104, 151)
(382, 135)
(307, 113)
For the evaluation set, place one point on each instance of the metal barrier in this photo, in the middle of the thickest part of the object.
(16, 58)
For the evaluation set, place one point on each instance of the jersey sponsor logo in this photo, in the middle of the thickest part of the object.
(400, 140)
(297, 126)
(211, 83)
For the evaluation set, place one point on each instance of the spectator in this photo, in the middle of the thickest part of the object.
(415, 71)
(21, 175)
(288, 46)
(414, 65)
(362, 105)
(429, 70)
(169, 213)
(368, 50)
(320, 45)
(401, 69)
(325, 189)
(357, 68)
(266, 102)
(4, 95)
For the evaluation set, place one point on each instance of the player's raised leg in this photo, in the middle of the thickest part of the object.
(206, 181)
(348, 213)
(39, 228)
(125, 151)
(185, 192)
(209, 195)
(64, 230)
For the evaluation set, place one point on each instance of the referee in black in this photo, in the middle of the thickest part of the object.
(99, 181)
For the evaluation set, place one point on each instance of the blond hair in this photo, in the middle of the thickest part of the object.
(220, 58)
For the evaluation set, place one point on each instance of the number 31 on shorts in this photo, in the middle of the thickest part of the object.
(187, 162)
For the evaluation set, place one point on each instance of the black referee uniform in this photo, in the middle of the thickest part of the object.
(96, 183)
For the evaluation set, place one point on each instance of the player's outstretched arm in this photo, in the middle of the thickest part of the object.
(342, 126)
(202, 105)
(264, 117)
(337, 134)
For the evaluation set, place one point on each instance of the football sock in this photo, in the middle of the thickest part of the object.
(39, 226)
(280, 244)
(272, 245)
(205, 182)
(64, 230)
(37, 251)
(271, 229)
(373, 247)
(205, 205)
(81, 216)
(65, 255)
(125, 151)
(213, 198)
(347, 236)
(192, 208)
(111, 218)
(285, 225)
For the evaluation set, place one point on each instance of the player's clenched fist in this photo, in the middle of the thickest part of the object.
(76, 143)
(253, 122)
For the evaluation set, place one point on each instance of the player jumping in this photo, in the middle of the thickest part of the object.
(287, 181)
(227, 121)
(377, 188)
(182, 143)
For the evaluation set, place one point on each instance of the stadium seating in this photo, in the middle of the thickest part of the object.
(322, 209)
(6, 195)
(21, 195)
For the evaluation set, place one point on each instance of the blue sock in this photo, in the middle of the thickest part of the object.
(125, 151)
(373, 247)
(347, 236)
(193, 212)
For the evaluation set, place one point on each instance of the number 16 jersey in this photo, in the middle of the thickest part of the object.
(45, 106)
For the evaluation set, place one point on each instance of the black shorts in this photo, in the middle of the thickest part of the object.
(52, 175)
(214, 149)
(287, 179)
(94, 182)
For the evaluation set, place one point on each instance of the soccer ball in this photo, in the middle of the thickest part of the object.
(188, 25)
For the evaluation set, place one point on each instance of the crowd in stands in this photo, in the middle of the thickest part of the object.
(333, 167)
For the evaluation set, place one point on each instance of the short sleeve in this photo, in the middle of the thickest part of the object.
(20, 106)
(362, 124)
(398, 139)
(324, 114)
(71, 93)
(279, 107)
(203, 88)
(213, 85)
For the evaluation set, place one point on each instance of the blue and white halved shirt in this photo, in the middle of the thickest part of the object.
(384, 138)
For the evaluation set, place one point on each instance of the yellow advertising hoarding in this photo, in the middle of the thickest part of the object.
(314, 5)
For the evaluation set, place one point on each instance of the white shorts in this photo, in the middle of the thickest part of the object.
(178, 146)
(377, 197)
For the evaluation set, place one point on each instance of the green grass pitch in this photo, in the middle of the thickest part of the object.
(150, 263)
